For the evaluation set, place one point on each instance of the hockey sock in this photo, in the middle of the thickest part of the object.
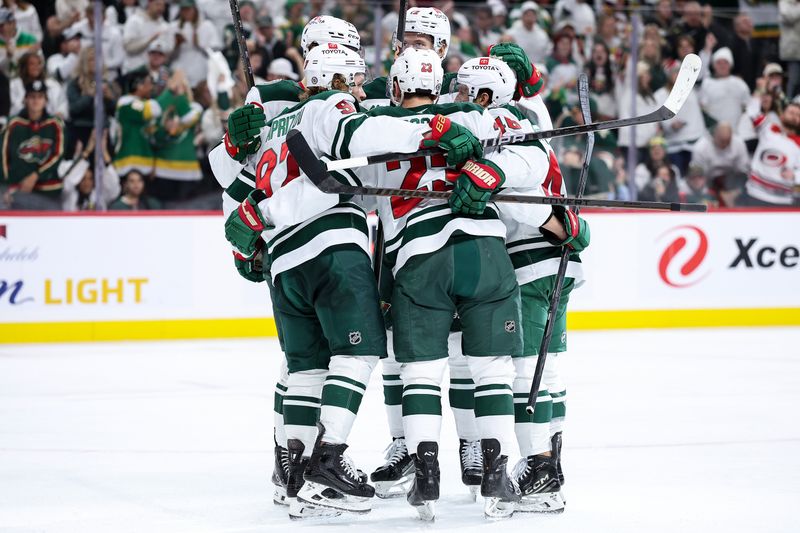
(301, 406)
(280, 391)
(494, 403)
(422, 401)
(533, 431)
(461, 393)
(392, 391)
(558, 392)
(341, 396)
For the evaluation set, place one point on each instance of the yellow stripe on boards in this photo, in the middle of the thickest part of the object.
(265, 327)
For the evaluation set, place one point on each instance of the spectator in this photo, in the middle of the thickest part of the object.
(656, 157)
(661, 17)
(133, 197)
(696, 188)
(281, 69)
(61, 65)
(14, 43)
(690, 24)
(141, 29)
(744, 57)
(645, 102)
(113, 49)
(650, 53)
(561, 65)
(790, 42)
(663, 187)
(684, 129)
(193, 36)
(452, 64)
(68, 12)
(295, 21)
(230, 50)
(80, 96)
(31, 68)
(79, 192)
(578, 13)
(33, 145)
(775, 171)
(527, 33)
(724, 97)
(27, 17)
(608, 35)
(267, 40)
(484, 28)
(157, 66)
(722, 157)
(219, 13)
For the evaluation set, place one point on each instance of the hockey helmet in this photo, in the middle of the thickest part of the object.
(327, 60)
(417, 70)
(487, 73)
(430, 21)
(326, 29)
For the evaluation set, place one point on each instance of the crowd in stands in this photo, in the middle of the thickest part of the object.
(171, 75)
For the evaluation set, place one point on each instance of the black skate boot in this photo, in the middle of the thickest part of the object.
(329, 467)
(555, 449)
(395, 476)
(497, 486)
(424, 489)
(471, 457)
(296, 464)
(537, 478)
(280, 474)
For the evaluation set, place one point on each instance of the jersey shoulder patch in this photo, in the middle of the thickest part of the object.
(283, 90)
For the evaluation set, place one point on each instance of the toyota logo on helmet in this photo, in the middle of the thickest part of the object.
(682, 260)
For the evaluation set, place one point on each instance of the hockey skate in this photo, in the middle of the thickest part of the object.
(296, 464)
(499, 489)
(471, 465)
(395, 476)
(540, 490)
(280, 474)
(329, 468)
(555, 448)
(424, 489)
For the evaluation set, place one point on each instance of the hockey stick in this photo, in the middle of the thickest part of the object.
(690, 69)
(244, 55)
(558, 287)
(318, 174)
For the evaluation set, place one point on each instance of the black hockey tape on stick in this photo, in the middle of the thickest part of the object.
(555, 298)
(318, 174)
(690, 69)
(244, 55)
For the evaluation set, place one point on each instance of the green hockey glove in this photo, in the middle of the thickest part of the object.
(529, 80)
(459, 143)
(249, 269)
(474, 187)
(244, 226)
(577, 229)
(244, 129)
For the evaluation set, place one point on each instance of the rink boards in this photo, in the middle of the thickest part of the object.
(167, 275)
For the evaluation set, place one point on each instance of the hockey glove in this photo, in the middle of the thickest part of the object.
(244, 226)
(244, 129)
(249, 268)
(459, 143)
(529, 80)
(474, 187)
(577, 229)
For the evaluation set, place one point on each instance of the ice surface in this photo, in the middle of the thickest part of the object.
(673, 431)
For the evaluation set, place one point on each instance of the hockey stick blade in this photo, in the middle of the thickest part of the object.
(316, 171)
(690, 70)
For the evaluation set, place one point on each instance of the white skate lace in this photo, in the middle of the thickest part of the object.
(472, 456)
(395, 452)
(285, 461)
(349, 467)
(521, 469)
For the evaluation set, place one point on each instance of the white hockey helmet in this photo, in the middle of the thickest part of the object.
(329, 59)
(417, 70)
(430, 21)
(487, 73)
(326, 29)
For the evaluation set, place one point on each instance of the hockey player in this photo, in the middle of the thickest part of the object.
(263, 103)
(489, 82)
(325, 297)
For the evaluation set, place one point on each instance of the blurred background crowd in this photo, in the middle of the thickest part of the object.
(171, 75)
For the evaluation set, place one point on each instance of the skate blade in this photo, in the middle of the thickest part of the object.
(303, 511)
(426, 511)
(312, 493)
(497, 509)
(279, 496)
(394, 489)
(473, 492)
(547, 502)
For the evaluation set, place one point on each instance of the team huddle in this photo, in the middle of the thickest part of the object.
(463, 283)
